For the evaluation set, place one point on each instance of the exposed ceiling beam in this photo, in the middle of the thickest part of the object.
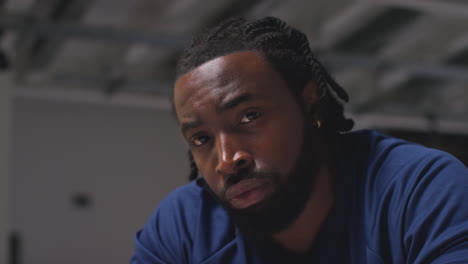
(235, 8)
(434, 71)
(94, 32)
(4, 62)
(457, 53)
(99, 81)
(36, 51)
(458, 45)
(365, 27)
(348, 21)
(144, 14)
(434, 7)
(87, 96)
(407, 38)
(396, 77)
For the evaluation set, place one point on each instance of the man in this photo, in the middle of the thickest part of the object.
(281, 179)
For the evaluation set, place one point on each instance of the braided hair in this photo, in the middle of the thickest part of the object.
(286, 48)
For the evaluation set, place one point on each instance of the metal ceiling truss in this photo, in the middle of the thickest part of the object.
(370, 32)
(371, 35)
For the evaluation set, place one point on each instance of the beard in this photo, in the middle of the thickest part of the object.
(289, 197)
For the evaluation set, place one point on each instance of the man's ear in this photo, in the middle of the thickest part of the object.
(310, 96)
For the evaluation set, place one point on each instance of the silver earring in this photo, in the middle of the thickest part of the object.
(318, 124)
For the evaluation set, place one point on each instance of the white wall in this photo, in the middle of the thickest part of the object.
(4, 167)
(127, 159)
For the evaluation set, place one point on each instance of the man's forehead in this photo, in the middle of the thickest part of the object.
(235, 62)
(197, 93)
(218, 77)
(212, 67)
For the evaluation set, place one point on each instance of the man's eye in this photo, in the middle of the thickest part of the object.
(199, 140)
(250, 116)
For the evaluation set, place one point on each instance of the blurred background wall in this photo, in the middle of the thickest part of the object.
(88, 144)
(4, 171)
(85, 177)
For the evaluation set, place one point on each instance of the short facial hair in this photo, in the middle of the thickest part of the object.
(289, 196)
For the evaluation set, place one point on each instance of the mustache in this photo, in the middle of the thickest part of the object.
(244, 175)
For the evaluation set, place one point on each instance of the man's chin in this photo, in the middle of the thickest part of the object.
(255, 220)
(251, 220)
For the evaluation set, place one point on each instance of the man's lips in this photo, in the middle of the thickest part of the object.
(247, 193)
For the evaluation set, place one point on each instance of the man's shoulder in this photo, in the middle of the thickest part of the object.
(385, 161)
(177, 211)
(381, 151)
(394, 169)
(188, 224)
(412, 188)
(184, 196)
(188, 202)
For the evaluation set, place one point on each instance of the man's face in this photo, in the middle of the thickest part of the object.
(245, 131)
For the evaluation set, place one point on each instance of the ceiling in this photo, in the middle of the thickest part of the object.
(404, 63)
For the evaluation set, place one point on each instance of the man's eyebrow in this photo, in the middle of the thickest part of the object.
(189, 125)
(233, 102)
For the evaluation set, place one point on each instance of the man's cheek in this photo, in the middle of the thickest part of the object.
(215, 189)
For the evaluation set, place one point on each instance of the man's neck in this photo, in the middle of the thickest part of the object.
(299, 237)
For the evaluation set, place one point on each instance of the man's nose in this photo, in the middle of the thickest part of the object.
(232, 156)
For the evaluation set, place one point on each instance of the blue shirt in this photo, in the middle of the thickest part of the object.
(397, 202)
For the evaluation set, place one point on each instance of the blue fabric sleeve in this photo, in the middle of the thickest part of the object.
(166, 236)
(415, 204)
(150, 247)
(154, 244)
(435, 221)
(179, 233)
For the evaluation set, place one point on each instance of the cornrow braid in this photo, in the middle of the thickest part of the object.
(286, 48)
(193, 167)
